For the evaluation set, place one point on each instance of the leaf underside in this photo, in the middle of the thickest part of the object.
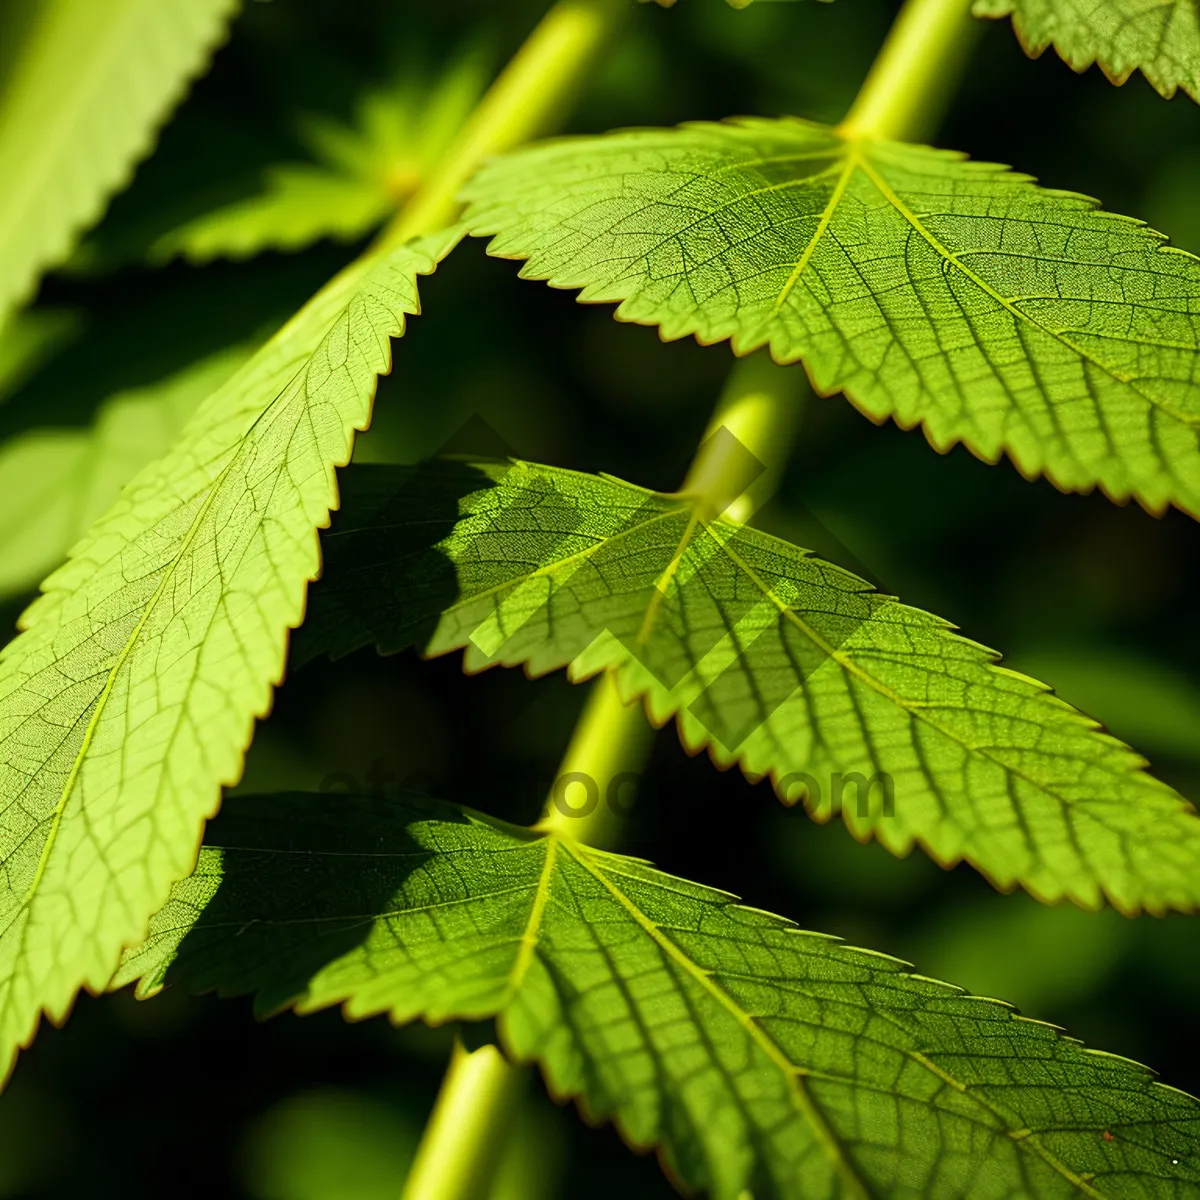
(129, 698)
(1161, 38)
(760, 1059)
(768, 656)
(92, 83)
(928, 288)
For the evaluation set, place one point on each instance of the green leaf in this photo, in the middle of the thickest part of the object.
(297, 206)
(90, 86)
(130, 696)
(359, 175)
(55, 482)
(30, 339)
(1138, 698)
(767, 656)
(761, 1059)
(930, 289)
(1161, 39)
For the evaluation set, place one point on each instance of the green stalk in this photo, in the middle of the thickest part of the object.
(607, 749)
(532, 96)
(914, 75)
(759, 407)
(464, 1138)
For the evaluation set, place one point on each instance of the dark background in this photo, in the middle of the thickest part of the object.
(184, 1095)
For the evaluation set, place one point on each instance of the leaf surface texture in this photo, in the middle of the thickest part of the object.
(130, 696)
(760, 1059)
(90, 85)
(1161, 38)
(930, 289)
(766, 655)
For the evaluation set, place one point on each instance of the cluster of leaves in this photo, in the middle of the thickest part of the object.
(927, 288)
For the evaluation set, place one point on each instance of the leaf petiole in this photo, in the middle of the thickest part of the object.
(914, 75)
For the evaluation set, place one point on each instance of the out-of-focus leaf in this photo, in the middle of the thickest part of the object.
(360, 173)
(330, 1144)
(28, 339)
(298, 205)
(1035, 955)
(55, 482)
(89, 87)
(760, 1059)
(1140, 700)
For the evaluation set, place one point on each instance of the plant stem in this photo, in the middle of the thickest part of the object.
(912, 78)
(734, 474)
(464, 1138)
(759, 407)
(607, 749)
(532, 95)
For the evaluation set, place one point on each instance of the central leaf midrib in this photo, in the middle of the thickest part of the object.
(853, 668)
(131, 642)
(885, 189)
(805, 1103)
(798, 1072)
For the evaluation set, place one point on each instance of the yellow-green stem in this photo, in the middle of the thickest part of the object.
(530, 97)
(463, 1140)
(759, 407)
(914, 74)
(595, 780)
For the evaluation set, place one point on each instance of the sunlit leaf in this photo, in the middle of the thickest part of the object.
(770, 657)
(761, 1059)
(130, 696)
(937, 291)
(1161, 38)
(90, 85)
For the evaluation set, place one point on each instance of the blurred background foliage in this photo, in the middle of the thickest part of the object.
(310, 100)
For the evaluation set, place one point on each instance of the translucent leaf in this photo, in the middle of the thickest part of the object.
(768, 656)
(130, 696)
(928, 288)
(90, 85)
(760, 1059)
(55, 482)
(1161, 39)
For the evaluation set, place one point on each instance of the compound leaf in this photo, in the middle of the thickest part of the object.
(129, 698)
(1161, 38)
(90, 86)
(928, 288)
(760, 1059)
(769, 657)
(55, 482)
